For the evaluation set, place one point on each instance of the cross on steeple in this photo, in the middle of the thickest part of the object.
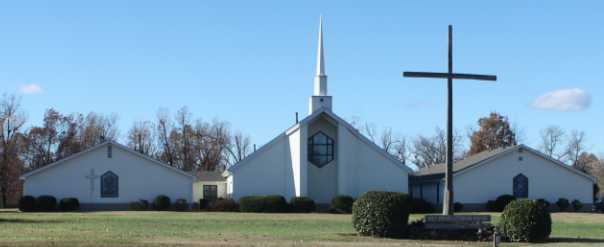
(448, 200)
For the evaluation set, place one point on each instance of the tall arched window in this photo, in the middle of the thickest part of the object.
(320, 149)
(109, 185)
(521, 186)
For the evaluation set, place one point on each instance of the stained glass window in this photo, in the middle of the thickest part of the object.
(521, 186)
(320, 149)
(109, 185)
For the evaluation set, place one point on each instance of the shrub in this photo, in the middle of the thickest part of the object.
(302, 204)
(410, 201)
(251, 204)
(138, 205)
(457, 207)
(46, 203)
(525, 220)
(543, 203)
(275, 204)
(222, 205)
(491, 206)
(27, 204)
(577, 204)
(69, 204)
(181, 205)
(203, 204)
(161, 203)
(422, 206)
(562, 204)
(503, 201)
(380, 214)
(341, 204)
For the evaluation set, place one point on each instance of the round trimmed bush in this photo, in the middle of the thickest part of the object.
(302, 204)
(341, 204)
(161, 203)
(275, 204)
(69, 204)
(251, 204)
(27, 204)
(562, 204)
(525, 220)
(46, 203)
(577, 205)
(543, 203)
(380, 214)
(503, 201)
(457, 207)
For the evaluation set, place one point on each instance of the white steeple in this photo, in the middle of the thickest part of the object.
(320, 97)
(320, 77)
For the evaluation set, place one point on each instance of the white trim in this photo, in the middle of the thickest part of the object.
(306, 121)
(528, 149)
(211, 182)
(23, 177)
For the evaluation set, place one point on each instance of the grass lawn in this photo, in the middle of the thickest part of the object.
(239, 229)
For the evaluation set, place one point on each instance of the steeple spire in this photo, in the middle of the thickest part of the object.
(320, 62)
(320, 98)
(320, 77)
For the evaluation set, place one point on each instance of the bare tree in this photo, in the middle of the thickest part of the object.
(141, 138)
(551, 138)
(164, 129)
(428, 151)
(183, 116)
(574, 147)
(11, 121)
(238, 148)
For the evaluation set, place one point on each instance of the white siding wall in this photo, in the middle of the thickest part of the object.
(198, 190)
(262, 175)
(546, 180)
(322, 182)
(139, 178)
(377, 172)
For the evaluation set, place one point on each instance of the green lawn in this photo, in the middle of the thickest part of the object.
(237, 229)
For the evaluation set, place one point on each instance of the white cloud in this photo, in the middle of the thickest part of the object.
(565, 100)
(32, 89)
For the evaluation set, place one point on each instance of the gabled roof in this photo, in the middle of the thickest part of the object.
(115, 144)
(437, 172)
(207, 176)
(311, 117)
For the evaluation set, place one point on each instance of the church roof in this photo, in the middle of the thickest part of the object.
(115, 144)
(437, 172)
(208, 176)
(316, 114)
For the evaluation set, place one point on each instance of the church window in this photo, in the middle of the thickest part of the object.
(320, 149)
(109, 185)
(109, 152)
(521, 186)
(210, 192)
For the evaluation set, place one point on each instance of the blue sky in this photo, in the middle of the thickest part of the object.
(252, 62)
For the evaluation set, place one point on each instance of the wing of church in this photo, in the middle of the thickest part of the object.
(518, 170)
(320, 157)
(108, 177)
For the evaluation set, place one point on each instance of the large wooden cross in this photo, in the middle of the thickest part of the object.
(448, 200)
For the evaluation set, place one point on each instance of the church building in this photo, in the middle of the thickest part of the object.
(320, 157)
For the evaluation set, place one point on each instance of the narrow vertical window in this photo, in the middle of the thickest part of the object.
(109, 185)
(109, 152)
(520, 186)
(210, 192)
